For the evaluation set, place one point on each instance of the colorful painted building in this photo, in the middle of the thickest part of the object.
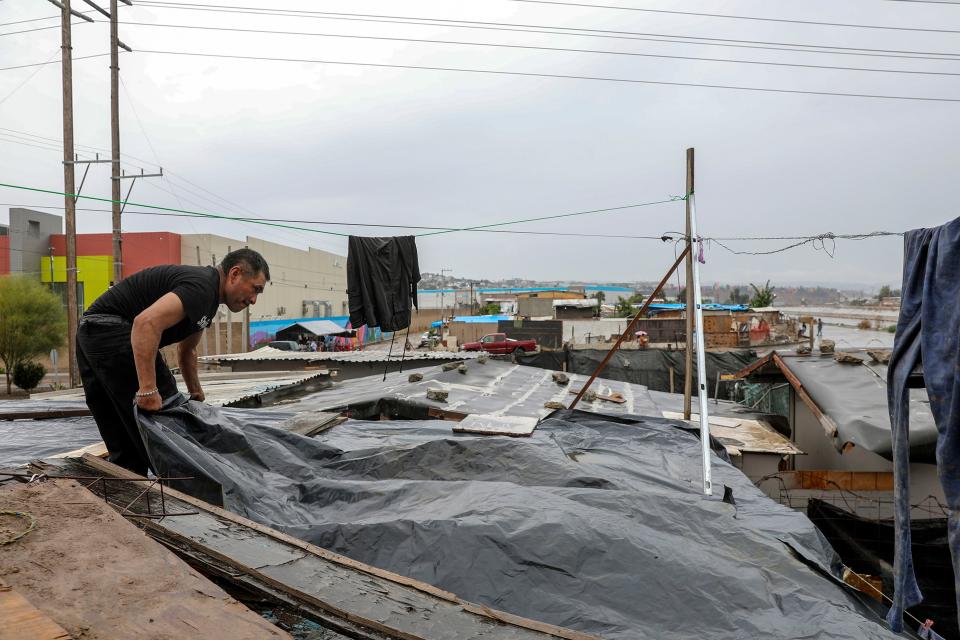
(95, 259)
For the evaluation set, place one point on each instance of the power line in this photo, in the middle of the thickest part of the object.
(560, 30)
(28, 78)
(40, 64)
(8, 24)
(668, 236)
(535, 48)
(557, 76)
(730, 17)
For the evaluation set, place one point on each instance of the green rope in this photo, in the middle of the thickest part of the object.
(201, 214)
(562, 215)
(198, 214)
(19, 514)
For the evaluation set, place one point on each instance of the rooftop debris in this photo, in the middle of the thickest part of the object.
(846, 358)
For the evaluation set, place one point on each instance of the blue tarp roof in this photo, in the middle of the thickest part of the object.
(593, 287)
(708, 306)
(476, 319)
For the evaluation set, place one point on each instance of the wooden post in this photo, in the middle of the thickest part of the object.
(205, 349)
(688, 307)
(630, 326)
(115, 144)
(69, 188)
(229, 324)
(246, 330)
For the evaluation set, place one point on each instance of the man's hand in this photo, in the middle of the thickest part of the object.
(198, 395)
(152, 402)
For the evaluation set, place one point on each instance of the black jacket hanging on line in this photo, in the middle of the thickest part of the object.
(382, 277)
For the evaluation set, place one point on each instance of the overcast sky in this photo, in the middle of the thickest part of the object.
(330, 142)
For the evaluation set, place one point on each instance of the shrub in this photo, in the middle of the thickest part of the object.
(892, 328)
(863, 324)
(27, 375)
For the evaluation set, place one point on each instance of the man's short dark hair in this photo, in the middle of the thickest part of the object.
(249, 260)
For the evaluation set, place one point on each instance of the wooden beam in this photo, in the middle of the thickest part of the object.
(825, 421)
(45, 414)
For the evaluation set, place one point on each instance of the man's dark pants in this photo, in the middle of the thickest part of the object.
(109, 374)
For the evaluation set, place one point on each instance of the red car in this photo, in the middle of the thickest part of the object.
(499, 343)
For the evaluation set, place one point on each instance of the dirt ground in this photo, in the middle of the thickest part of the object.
(99, 576)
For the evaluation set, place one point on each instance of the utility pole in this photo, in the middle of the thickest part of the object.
(69, 185)
(115, 143)
(688, 311)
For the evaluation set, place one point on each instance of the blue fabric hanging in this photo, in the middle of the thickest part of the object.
(928, 333)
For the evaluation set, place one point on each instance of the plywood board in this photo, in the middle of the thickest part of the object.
(485, 424)
(23, 621)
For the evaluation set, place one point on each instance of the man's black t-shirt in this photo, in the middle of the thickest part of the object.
(197, 287)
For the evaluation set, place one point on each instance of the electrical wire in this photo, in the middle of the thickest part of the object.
(555, 76)
(40, 64)
(29, 77)
(730, 17)
(538, 48)
(560, 30)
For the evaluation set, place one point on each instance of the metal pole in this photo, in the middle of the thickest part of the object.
(701, 360)
(69, 188)
(115, 143)
(688, 307)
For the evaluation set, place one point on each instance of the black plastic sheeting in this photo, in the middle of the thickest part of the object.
(24, 440)
(855, 397)
(866, 546)
(594, 522)
(648, 367)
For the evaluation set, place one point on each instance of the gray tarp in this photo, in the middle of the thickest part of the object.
(649, 367)
(594, 522)
(855, 396)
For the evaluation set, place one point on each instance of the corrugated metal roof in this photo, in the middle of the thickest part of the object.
(576, 302)
(318, 327)
(269, 353)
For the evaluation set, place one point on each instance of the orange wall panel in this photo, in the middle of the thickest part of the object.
(4, 255)
(140, 250)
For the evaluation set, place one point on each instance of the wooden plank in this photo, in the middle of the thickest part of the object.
(444, 414)
(518, 622)
(23, 621)
(825, 421)
(97, 449)
(45, 414)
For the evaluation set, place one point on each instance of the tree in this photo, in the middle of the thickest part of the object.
(739, 297)
(887, 292)
(28, 375)
(762, 296)
(624, 309)
(32, 321)
(489, 309)
(601, 296)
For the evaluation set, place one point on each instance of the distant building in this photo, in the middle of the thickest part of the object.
(304, 283)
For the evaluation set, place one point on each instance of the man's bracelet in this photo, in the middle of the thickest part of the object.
(146, 394)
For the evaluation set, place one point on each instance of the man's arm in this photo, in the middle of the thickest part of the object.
(145, 340)
(187, 357)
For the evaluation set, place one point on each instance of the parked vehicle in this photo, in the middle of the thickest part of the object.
(499, 343)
